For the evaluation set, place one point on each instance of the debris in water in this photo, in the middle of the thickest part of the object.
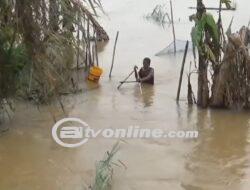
(159, 15)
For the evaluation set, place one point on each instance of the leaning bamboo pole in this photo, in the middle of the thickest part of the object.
(173, 28)
(182, 70)
(113, 57)
(102, 34)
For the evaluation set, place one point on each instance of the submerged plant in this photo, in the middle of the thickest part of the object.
(104, 170)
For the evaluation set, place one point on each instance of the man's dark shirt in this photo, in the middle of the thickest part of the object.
(147, 76)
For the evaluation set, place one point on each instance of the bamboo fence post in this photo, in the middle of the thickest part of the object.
(172, 18)
(96, 50)
(93, 46)
(78, 42)
(93, 53)
(88, 42)
(113, 58)
(182, 70)
(84, 43)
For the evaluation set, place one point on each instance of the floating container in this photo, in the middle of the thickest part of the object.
(95, 74)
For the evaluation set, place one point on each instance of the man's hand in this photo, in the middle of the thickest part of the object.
(135, 67)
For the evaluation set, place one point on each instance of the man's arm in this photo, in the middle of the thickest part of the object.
(136, 74)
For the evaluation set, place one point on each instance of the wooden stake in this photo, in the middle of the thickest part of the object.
(182, 69)
(172, 18)
(113, 59)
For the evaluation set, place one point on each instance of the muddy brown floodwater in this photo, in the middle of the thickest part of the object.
(218, 160)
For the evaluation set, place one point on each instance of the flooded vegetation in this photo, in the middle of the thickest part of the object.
(41, 45)
(217, 160)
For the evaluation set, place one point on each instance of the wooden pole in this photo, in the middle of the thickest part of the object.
(78, 42)
(113, 59)
(84, 43)
(216, 9)
(88, 45)
(96, 51)
(93, 54)
(220, 21)
(172, 18)
(182, 70)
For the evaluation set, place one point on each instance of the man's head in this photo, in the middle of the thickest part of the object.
(146, 63)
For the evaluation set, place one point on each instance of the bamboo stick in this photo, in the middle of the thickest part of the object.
(216, 9)
(125, 79)
(122, 82)
(172, 18)
(93, 53)
(93, 7)
(93, 47)
(84, 43)
(96, 50)
(78, 42)
(182, 70)
(88, 41)
(113, 59)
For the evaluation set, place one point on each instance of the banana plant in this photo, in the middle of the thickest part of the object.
(206, 26)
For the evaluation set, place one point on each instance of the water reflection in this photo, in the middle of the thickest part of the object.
(218, 160)
(144, 94)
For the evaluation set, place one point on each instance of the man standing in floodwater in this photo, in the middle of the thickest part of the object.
(146, 73)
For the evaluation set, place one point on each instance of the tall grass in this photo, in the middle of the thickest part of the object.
(104, 170)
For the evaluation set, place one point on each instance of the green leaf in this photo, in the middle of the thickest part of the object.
(208, 23)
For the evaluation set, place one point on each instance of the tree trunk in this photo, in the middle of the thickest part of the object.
(203, 91)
